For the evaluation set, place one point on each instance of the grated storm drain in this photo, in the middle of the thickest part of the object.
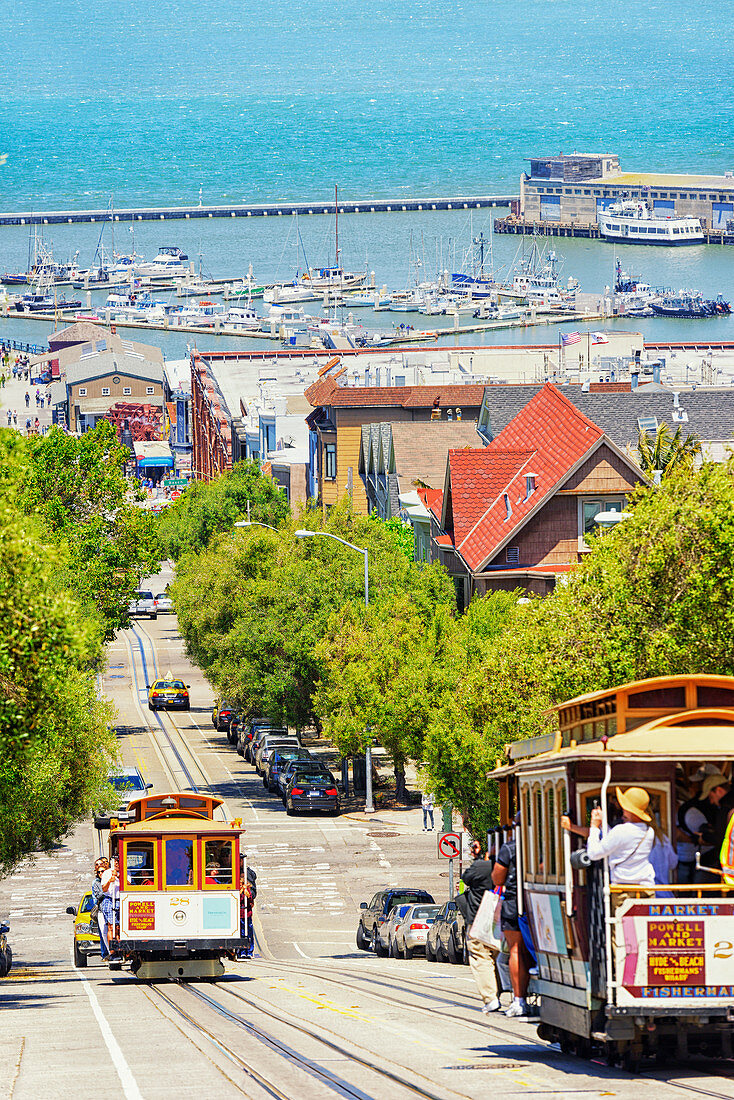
(490, 1065)
(383, 834)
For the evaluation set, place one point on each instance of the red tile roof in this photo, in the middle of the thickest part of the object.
(547, 438)
(327, 392)
(433, 500)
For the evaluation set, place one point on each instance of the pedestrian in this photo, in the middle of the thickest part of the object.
(27, 426)
(36, 424)
(27, 399)
(38, 398)
(15, 419)
(110, 906)
(504, 874)
(428, 804)
(477, 879)
(10, 418)
(101, 866)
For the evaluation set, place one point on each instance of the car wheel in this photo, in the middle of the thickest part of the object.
(150, 706)
(80, 959)
(380, 951)
(451, 953)
(265, 783)
(289, 810)
(363, 941)
(407, 951)
(430, 954)
(335, 812)
(465, 955)
(392, 948)
(9, 960)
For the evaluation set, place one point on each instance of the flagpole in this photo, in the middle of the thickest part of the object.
(588, 351)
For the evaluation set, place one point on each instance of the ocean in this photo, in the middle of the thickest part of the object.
(159, 103)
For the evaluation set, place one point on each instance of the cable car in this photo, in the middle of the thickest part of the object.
(179, 886)
(623, 970)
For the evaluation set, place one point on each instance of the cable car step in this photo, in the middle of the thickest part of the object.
(179, 969)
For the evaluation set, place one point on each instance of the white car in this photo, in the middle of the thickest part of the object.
(143, 604)
(163, 602)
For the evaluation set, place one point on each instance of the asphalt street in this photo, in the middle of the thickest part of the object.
(310, 1016)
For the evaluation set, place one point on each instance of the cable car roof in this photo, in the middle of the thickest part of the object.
(696, 735)
(178, 826)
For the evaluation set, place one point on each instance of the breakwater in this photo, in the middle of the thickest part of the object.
(253, 210)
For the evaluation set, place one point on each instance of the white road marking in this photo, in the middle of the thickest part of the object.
(301, 953)
(130, 1088)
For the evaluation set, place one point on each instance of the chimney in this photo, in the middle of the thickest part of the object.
(634, 380)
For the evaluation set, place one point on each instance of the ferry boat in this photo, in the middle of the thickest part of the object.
(630, 221)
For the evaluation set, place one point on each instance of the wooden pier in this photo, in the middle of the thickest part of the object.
(255, 210)
(574, 229)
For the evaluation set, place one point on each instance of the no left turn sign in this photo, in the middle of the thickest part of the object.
(449, 845)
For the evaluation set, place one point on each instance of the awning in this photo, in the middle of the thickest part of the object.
(147, 463)
(152, 452)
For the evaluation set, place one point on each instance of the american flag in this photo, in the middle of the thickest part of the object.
(570, 338)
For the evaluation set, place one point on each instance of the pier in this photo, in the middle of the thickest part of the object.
(520, 226)
(254, 210)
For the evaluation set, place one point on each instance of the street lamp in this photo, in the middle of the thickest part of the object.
(610, 519)
(255, 523)
(369, 807)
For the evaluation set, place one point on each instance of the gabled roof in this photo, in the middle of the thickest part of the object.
(414, 450)
(486, 499)
(433, 500)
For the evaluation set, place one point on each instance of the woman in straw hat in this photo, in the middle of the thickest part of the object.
(628, 845)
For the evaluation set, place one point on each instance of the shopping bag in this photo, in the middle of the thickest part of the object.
(486, 924)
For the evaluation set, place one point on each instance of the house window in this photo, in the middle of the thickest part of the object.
(529, 485)
(105, 391)
(82, 391)
(330, 461)
(150, 389)
(591, 508)
(127, 391)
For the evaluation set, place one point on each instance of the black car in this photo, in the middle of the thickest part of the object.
(278, 760)
(233, 729)
(314, 789)
(378, 910)
(283, 777)
(247, 730)
(446, 941)
(222, 715)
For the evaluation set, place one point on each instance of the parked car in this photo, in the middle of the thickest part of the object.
(163, 602)
(164, 694)
(412, 932)
(386, 931)
(376, 913)
(447, 936)
(86, 930)
(312, 790)
(260, 732)
(127, 784)
(285, 775)
(233, 729)
(265, 749)
(222, 715)
(278, 759)
(142, 604)
(6, 955)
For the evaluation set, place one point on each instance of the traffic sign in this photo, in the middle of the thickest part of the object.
(175, 482)
(449, 845)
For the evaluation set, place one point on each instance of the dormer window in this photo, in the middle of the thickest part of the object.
(530, 485)
(508, 506)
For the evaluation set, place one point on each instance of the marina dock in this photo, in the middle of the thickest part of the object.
(255, 210)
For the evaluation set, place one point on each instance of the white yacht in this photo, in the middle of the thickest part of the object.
(630, 221)
(169, 261)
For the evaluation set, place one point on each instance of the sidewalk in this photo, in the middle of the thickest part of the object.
(12, 396)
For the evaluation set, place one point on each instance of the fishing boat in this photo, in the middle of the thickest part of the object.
(631, 221)
(535, 279)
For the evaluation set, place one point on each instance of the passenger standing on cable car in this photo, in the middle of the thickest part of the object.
(111, 902)
(101, 865)
(713, 798)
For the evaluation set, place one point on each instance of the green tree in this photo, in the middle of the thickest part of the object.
(206, 509)
(55, 747)
(665, 451)
(77, 487)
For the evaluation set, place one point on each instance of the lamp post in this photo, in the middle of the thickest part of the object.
(369, 807)
(255, 523)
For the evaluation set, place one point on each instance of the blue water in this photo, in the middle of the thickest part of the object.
(151, 101)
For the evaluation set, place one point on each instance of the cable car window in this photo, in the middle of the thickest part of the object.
(179, 861)
(527, 833)
(670, 697)
(218, 863)
(139, 859)
(714, 696)
(539, 831)
(552, 868)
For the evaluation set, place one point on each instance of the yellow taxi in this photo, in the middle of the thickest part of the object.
(169, 692)
(86, 930)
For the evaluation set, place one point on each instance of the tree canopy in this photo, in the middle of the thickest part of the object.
(206, 509)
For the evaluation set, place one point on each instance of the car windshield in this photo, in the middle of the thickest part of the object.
(143, 595)
(127, 783)
(280, 756)
(403, 899)
(311, 776)
(178, 684)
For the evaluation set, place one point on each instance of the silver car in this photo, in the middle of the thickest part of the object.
(386, 930)
(163, 602)
(126, 784)
(143, 603)
(265, 749)
(411, 933)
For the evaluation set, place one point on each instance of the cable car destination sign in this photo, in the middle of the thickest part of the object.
(674, 950)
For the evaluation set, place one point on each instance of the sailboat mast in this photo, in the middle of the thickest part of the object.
(336, 209)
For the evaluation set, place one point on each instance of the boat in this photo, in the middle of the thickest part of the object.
(288, 293)
(333, 278)
(243, 317)
(191, 286)
(242, 290)
(169, 261)
(363, 299)
(689, 304)
(631, 221)
(535, 279)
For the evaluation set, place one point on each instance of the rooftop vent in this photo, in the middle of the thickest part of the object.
(647, 424)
